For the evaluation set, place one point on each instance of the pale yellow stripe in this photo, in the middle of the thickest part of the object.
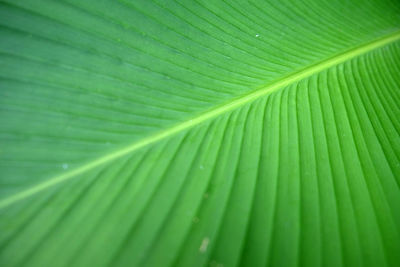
(233, 104)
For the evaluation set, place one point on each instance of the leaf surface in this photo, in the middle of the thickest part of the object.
(199, 133)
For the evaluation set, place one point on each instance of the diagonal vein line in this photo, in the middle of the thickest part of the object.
(207, 115)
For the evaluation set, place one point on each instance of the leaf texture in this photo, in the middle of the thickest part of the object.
(199, 133)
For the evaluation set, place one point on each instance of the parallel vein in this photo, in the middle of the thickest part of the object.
(226, 107)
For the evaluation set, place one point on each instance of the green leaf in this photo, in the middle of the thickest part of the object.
(199, 133)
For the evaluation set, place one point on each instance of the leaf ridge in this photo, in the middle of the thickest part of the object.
(207, 115)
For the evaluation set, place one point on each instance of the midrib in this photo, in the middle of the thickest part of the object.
(233, 104)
